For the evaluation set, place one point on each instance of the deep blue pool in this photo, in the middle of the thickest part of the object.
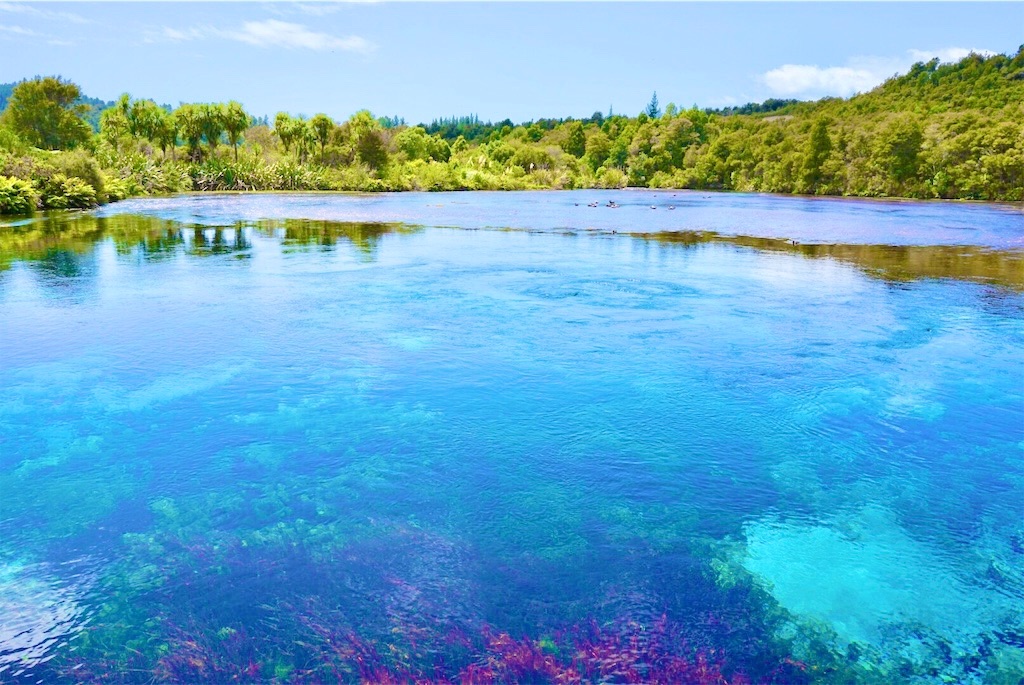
(513, 438)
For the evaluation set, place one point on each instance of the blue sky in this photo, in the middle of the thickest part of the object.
(520, 60)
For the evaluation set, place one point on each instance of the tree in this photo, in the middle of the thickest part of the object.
(45, 113)
(598, 148)
(212, 123)
(236, 121)
(414, 142)
(165, 131)
(113, 126)
(322, 126)
(369, 140)
(899, 148)
(285, 130)
(819, 146)
(189, 120)
(145, 118)
(576, 142)
(653, 109)
(305, 137)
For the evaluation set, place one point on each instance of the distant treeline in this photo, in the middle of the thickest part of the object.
(939, 131)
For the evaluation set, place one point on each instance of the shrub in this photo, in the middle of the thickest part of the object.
(9, 140)
(531, 159)
(61, 192)
(118, 189)
(17, 196)
(80, 164)
(26, 167)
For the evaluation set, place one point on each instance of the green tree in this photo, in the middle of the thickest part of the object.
(145, 119)
(819, 146)
(45, 113)
(236, 121)
(189, 120)
(165, 131)
(113, 126)
(304, 136)
(416, 143)
(322, 126)
(899, 148)
(653, 109)
(212, 118)
(370, 145)
(599, 146)
(576, 142)
(285, 130)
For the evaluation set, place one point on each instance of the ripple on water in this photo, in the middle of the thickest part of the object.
(42, 607)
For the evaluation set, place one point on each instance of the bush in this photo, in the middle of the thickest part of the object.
(26, 167)
(9, 140)
(118, 189)
(80, 164)
(532, 159)
(17, 196)
(61, 192)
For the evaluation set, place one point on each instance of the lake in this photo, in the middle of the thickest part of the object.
(512, 437)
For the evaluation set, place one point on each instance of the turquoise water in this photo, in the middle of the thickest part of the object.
(513, 438)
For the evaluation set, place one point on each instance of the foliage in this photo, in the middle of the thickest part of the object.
(322, 126)
(188, 119)
(10, 141)
(63, 192)
(44, 113)
(81, 165)
(939, 131)
(653, 109)
(17, 196)
(234, 120)
(576, 141)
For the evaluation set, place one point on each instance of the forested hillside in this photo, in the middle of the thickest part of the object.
(939, 131)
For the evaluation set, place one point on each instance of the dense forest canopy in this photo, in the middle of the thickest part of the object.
(939, 131)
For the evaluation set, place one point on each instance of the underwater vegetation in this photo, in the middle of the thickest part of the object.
(393, 608)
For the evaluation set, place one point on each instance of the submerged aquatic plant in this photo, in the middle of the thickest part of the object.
(395, 608)
(589, 653)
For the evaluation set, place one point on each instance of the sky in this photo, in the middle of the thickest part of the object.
(524, 61)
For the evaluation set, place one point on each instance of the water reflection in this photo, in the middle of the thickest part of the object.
(895, 263)
(58, 243)
(364, 237)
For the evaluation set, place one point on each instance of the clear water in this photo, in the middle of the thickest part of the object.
(321, 437)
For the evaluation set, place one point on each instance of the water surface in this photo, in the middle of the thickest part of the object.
(315, 437)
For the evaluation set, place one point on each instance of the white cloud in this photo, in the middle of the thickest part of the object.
(35, 11)
(858, 75)
(268, 34)
(17, 31)
(12, 31)
(275, 33)
(794, 79)
(188, 34)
